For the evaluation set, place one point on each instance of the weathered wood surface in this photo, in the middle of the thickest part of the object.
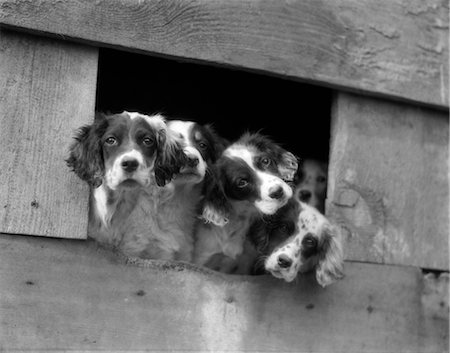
(47, 90)
(66, 294)
(389, 47)
(435, 306)
(389, 181)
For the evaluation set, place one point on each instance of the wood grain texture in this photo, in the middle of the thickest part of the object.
(65, 294)
(47, 90)
(435, 306)
(397, 48)
(388, 181)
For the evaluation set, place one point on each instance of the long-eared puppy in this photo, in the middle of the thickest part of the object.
(298, 238)
(180, 200)
(202, 146)
(123, 156)
(311, 186)
(247, 181)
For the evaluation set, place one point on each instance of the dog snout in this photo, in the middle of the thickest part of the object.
(305, 195)
(130, 165)
(192, 161)
(276, 192)
(284, 261)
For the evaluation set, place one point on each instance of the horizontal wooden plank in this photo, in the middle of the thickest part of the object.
(388, 181)
(66, 294)
(47, 90)
(388, 47)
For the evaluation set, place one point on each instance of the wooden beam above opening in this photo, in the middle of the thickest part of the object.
(391, 48)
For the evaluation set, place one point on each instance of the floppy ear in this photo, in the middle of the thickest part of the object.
(331, 262)
(216, 207)
(85, 154)
(169, 158)
(288, 166)
(219, 144)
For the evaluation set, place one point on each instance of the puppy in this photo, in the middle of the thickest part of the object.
(247, 181)
(311, 186)
(180, 201)
(202, 146)
(125, 158)
(298, 238)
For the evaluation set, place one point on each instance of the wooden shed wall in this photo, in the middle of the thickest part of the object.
(59, 294)
(385, 47)
(47, 90)
(389, 181)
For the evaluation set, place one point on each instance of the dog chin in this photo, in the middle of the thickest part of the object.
(129, 183)
(269, 207)
(287, 276)
(191, 176)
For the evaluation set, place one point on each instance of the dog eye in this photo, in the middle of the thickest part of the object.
(242, 183)
(111, 141)
(284, 228)
(321, 179)
(148, 141)
(309, 242)
(203, 145)
(265, 161)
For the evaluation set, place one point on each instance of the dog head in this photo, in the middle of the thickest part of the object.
(126, 150)
(298, 238)
(202, 146)
(311, 187)
(250, 170)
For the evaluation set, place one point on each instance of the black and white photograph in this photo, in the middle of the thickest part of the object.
(224, 176)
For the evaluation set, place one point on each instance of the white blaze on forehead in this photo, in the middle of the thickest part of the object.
(183, 128)
(134, 115)
(133, 154)
(241, 151)
(156, 121)
(115, 175)
(311, 220)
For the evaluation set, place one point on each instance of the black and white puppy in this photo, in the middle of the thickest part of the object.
(202, 146)
(123, 157)
(247, 181)
(298, 238)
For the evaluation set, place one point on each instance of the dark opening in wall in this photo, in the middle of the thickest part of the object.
(294, 114)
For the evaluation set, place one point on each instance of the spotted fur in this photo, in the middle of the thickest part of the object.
(245, 183)
(298, 238)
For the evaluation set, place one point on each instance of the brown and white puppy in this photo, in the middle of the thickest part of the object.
(247, 181)
(179, 201)
(124, 157)
(298, 238)
(311, 187)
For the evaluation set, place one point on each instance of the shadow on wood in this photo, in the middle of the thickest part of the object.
(60, 294)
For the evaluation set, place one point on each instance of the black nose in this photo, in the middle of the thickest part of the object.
(278, 193)
(284, 261)
(192, 161)
(130, 165)
(304, 195)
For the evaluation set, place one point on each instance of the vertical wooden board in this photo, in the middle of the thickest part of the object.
(435, 311)
(388, 181)
(47, 90)
(70, 295)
